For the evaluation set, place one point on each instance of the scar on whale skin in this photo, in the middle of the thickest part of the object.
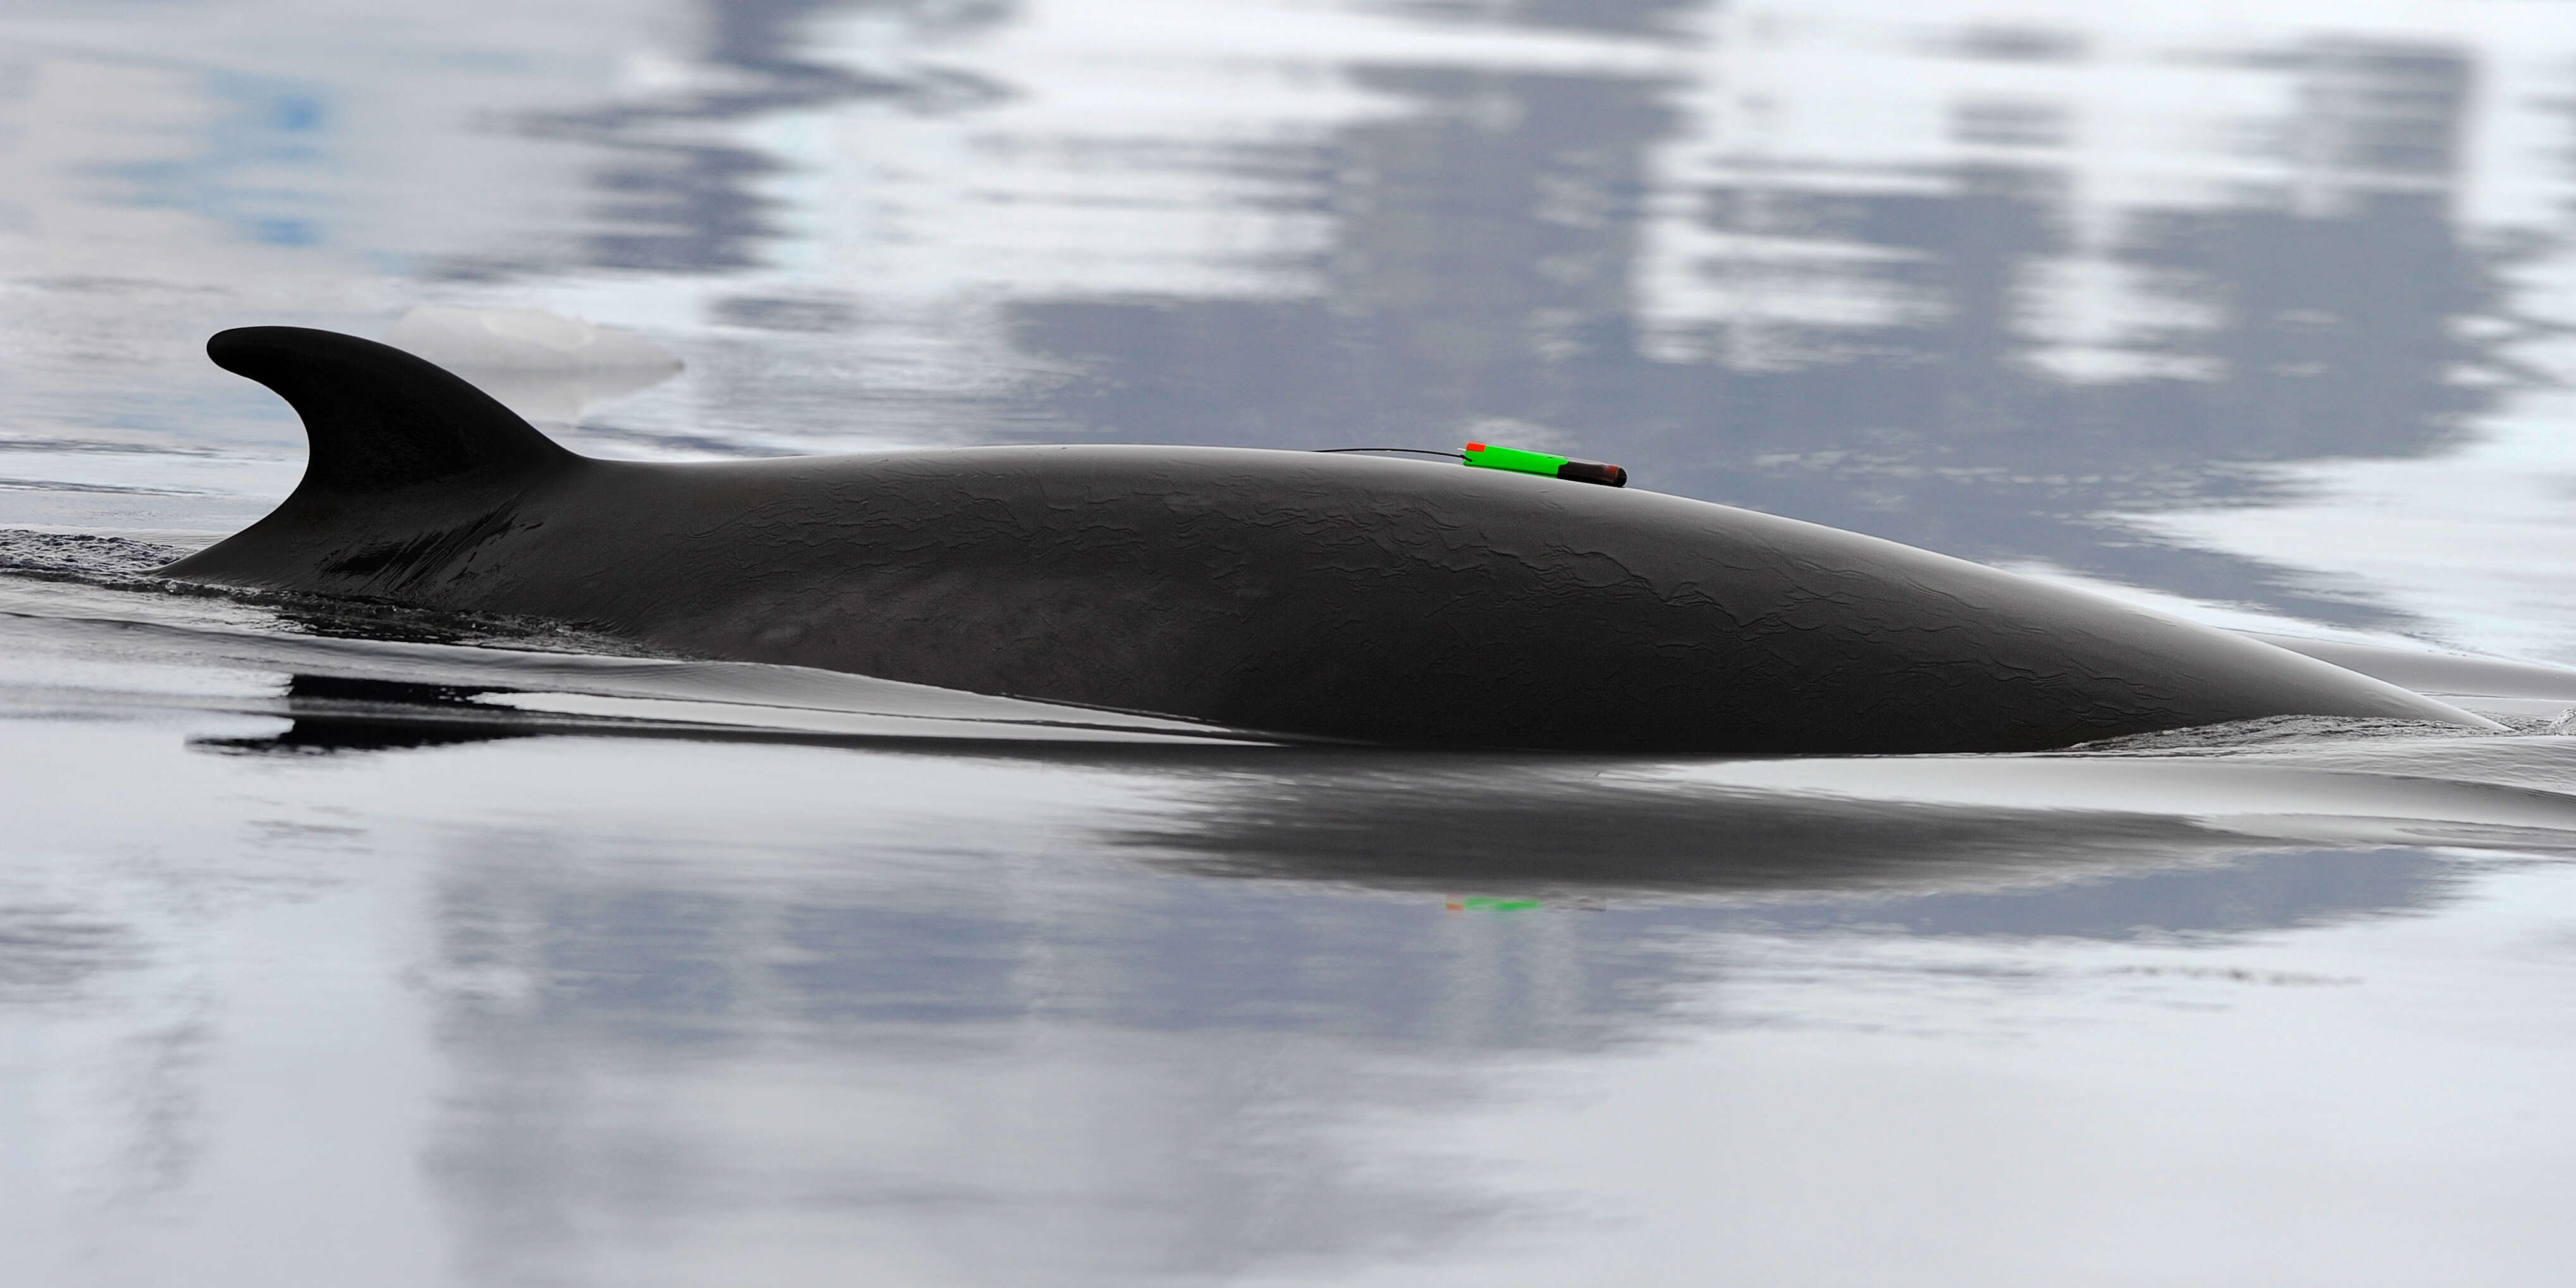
(1336, 596)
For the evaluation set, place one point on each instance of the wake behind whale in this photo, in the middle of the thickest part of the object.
(1302, 593)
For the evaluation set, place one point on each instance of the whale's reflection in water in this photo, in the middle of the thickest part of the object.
(1063, 1065)
(606, 960)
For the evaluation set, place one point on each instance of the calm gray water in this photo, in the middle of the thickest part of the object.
(341, 945)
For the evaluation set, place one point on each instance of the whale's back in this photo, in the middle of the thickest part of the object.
(1399, 601)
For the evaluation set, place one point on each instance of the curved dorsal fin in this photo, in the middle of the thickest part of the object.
(378, 418)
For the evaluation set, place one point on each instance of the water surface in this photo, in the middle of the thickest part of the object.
(344, 943)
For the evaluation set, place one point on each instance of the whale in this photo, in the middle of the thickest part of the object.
(1331, 597)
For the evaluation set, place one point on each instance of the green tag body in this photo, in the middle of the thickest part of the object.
(1555, 467)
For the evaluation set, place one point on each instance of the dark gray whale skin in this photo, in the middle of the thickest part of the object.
(1293, 592)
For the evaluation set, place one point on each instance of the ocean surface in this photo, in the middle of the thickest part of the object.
(342, 943)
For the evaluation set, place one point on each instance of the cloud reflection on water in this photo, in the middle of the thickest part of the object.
(2036, 275)
(1982, 327)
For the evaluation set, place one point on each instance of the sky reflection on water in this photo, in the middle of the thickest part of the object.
(565, 1010)
(2016, 288)
(2261, 314)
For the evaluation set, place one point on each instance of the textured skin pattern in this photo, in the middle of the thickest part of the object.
(1344, 596)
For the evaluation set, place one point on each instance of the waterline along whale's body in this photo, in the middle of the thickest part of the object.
(1332, 595)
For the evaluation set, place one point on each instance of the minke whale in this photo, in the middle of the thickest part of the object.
(1298, 593)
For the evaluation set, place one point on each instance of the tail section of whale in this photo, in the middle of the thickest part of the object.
(408, 465)
(378, 418)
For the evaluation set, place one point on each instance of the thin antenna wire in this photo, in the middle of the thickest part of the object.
(1416, 451)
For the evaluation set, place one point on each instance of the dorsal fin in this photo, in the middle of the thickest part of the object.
(378, 418)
